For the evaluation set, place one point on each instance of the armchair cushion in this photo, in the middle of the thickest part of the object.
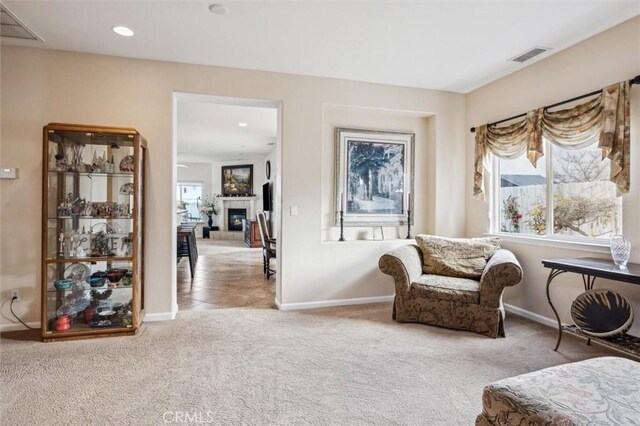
(446, 288)
(456, 257)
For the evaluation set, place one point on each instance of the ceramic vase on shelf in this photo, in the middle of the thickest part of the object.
(620, 250)
(210, 220)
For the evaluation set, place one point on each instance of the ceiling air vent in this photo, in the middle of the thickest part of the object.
(524, 57)
(12, 27)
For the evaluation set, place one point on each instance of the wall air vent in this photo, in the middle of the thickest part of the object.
(12, 27)
(531, 53)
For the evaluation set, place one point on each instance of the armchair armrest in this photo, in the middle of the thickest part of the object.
(404, 264)
(502, 270)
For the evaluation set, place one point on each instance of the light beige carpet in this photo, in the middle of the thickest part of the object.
(348, 366)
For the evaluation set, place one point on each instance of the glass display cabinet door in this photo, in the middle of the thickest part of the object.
(91, 224)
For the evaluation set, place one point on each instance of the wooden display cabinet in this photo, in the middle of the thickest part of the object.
(92, 231)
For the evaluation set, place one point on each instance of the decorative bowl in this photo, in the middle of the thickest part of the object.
(114, 277)
(101, 274)
(106, 315)
(96, 281)
(63, 284)
(602, 313)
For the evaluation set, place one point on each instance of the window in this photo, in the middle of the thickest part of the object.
(189, 193)
(573, 184)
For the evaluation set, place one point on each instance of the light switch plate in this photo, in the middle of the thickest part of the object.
(8, 173)
(293, 210)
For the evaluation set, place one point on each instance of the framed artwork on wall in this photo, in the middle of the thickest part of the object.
(237, 180)
(374, 176)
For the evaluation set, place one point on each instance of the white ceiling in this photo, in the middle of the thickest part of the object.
(208, 131)
(454, 46)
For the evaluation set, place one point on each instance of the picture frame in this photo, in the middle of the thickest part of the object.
(237, 180)
(374, 176)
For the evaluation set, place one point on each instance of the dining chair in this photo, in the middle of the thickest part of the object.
(268, 244)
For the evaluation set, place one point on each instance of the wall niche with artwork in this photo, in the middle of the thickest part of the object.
(378, 166)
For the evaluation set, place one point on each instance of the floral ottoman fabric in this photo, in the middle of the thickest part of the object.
(599, 391)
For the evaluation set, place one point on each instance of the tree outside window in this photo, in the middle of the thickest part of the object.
(584, 201)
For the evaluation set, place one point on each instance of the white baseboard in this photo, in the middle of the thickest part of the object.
(18, 326)
(531, 315)
(160, 316)
(334, 302)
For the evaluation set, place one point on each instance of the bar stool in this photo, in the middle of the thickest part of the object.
(187, 246)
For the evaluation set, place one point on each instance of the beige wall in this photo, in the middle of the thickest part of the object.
(40, 86)
(608, 57)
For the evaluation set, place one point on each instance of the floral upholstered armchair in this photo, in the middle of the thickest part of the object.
(453, 283)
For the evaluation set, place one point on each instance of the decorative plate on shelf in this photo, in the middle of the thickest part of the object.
(104, 324)
(127, 189)
(126, 165)
(602, 313)
(77, 272)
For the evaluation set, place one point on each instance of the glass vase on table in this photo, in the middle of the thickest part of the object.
(620, 250)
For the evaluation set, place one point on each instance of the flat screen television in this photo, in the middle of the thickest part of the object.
(266, 197)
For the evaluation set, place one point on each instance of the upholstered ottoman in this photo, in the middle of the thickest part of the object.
(599, 391)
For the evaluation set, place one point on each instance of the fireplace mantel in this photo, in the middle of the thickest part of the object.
(247, 198)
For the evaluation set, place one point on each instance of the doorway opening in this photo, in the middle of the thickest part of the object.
(226, 171)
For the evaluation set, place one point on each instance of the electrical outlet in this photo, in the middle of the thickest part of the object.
(15, 294)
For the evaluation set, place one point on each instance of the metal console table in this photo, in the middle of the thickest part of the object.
(590, 269)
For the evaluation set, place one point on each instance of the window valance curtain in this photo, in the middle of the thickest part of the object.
(605, 117)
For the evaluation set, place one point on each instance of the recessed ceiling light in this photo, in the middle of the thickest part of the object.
(123, 31)
(218, 9)
(242, 124)
(184, 166)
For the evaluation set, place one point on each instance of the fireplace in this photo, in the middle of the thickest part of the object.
(234, 219)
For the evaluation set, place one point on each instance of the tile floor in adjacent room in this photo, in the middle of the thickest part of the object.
(228, 275)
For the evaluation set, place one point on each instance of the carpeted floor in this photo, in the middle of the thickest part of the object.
(348, 366)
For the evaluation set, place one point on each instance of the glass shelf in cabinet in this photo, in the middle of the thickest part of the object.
(89, 217)
(89, 259)
(88, 287)
(89, 174)
(79, 328)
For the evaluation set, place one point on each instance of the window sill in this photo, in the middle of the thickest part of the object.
(593, 247)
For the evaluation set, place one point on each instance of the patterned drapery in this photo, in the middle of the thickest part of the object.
(606, 116)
